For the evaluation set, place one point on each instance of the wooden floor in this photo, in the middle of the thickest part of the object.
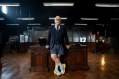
(101, 66)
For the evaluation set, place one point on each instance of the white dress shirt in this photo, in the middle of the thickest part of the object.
(58, 27)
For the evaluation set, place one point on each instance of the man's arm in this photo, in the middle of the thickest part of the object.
(66, 39)
(48, 39)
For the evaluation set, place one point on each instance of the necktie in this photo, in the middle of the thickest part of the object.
(57, 28)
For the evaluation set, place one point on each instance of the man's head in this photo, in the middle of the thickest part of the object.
(57, 20)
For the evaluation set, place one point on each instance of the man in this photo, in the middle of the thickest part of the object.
(57, 39)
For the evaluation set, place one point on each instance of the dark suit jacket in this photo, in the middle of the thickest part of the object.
(51, 36)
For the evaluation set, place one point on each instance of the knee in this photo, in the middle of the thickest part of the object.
(53, 57)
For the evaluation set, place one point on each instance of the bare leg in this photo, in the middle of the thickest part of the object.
(59, 56)
(57, 62)
(55, 58)
(62, 66)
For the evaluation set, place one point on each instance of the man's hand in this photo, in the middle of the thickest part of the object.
(67, 46)
(47, 46)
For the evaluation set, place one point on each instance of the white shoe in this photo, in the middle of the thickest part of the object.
(57, 72)
(62, 67)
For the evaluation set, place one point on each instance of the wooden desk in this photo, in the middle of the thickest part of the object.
(75, 58)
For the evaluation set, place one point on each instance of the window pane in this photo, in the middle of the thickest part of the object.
(75, 37)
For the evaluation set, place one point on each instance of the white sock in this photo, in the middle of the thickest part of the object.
(61, 67)
(57, 71)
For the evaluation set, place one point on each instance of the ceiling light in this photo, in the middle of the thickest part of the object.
(114, 18)
(2, 19)
(27, 18)
(4, 9)
(89, 18)
(9, 4)
(12, 24)
(58, 4)
(54, 24)
(107, 5)
(34, 24)
(79, 24)
(62, 18)
(100, 24)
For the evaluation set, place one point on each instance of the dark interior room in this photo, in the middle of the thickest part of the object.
(89, 29)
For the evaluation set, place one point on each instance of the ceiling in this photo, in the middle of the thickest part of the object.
(81, 8)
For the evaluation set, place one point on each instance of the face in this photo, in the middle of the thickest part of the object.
(57, 20)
